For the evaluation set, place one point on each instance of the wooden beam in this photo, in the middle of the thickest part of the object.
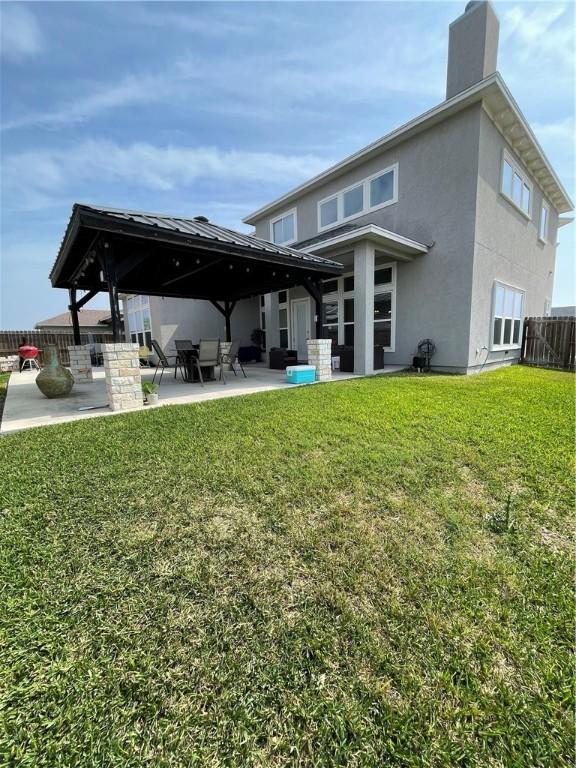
(86, 260)
(73, 307)
(191, 272)
(85, 299)
(314, 288)
(127, 265)
(108, 261)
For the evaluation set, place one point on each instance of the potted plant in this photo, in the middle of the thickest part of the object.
(150, 391)
(257, 338)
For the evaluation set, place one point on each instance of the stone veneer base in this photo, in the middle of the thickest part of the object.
(123, 378)
(320, 356)
(80, 364)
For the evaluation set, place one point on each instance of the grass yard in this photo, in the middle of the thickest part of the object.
(375, 572)
(4, 378)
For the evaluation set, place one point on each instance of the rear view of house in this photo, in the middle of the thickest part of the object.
(446, 227)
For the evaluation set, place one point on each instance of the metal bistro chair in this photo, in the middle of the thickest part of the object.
(208, 357)
(163, 361)
(231, 357)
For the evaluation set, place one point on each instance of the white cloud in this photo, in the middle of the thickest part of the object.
(562, 130)
(541, 31)
(267, 83)
(20, 34)
(42, 178)
(130, 90)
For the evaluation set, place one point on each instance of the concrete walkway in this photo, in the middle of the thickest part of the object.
(26, 406)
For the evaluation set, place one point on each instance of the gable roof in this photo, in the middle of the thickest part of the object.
(181, 230)
(86, 317)
(503, 110)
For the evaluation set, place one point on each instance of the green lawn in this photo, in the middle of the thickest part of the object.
(4, 378)
(368, 573)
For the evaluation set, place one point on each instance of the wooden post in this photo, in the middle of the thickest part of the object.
(112, 291)
(314, 288)
(73, 307)
(524, 334)
(228, 311)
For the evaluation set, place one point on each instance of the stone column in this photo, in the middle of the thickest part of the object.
(122, 371)
(364, 308)
(80, 364)
(320, 356)
(225, 349)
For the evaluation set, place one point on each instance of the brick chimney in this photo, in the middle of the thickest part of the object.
(472, 47)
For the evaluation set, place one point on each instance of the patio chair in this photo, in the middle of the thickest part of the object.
(163, 361)
(184, 349)
(231, 357)
(208, 357)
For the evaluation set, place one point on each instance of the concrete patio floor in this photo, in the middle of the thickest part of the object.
(26, 407)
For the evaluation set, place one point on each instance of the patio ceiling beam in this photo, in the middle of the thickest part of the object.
(130, 263)
(87, 259)
(191, 272)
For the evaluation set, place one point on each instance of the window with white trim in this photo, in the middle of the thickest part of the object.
(338, 308)
(543, 224)
(373, 192)
(139, 322)
(283, 228)
(283, 318)
(384, 279)
(515, 186)
(263, 320)
(507, 314)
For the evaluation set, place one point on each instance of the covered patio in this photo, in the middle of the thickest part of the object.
(131, 252)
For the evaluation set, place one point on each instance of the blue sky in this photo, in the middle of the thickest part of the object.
(217, 108)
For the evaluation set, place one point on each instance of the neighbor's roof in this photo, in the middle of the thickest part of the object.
(86, 317)
(185, 231)
(503, 110)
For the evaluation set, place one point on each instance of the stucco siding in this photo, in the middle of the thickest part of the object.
(507, 248)
(436, 205)
(193, 319)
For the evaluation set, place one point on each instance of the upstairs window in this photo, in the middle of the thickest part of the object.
(508, 304)
(283, 228)
(329, 212)
(543, 225)
(374, 192)
(382, 189)
(515, 185)
(353, 201)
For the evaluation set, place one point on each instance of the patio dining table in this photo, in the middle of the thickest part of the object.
(188, 367)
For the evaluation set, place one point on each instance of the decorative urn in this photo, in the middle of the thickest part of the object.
(54, 380)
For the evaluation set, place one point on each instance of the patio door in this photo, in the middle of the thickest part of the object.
(300, 326)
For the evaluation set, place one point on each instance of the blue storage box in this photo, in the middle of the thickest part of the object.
(300, 374)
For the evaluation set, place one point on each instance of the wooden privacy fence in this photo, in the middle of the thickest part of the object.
(11, 340)
(549, 342)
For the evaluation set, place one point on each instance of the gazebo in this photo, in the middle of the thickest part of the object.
(131, 252)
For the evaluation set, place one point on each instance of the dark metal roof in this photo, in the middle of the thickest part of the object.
(196, 227)
(162, 255)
